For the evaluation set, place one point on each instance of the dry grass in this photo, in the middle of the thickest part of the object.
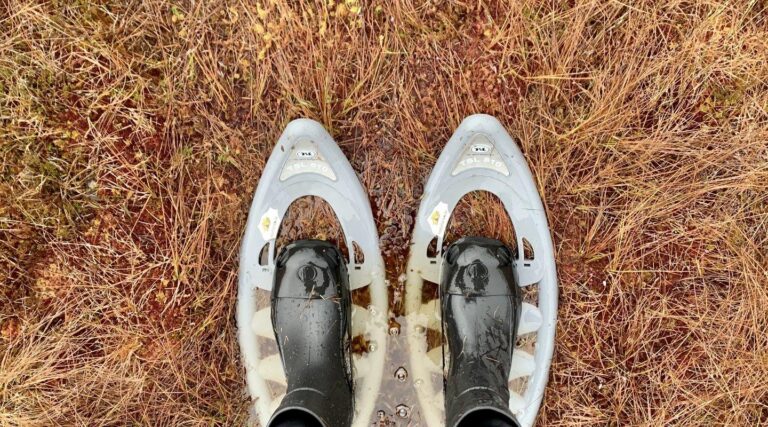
(132, 135)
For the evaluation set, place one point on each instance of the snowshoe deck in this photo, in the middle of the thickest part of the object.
(482, 156)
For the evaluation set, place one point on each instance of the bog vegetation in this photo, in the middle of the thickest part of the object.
(133, 133)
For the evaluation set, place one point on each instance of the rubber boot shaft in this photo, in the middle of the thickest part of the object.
(481, 305)
(310, 314)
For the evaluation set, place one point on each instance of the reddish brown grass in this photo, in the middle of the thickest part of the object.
(132, 135)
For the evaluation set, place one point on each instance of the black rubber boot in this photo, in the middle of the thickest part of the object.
(481, 305)
(311, 313)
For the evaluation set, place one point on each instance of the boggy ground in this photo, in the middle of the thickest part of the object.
(133, 133)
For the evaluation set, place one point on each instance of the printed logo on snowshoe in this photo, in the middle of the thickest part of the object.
(481, 149)
(480, 153)
(306, 154)
(469, 162)
(306, 158)
(298, 167)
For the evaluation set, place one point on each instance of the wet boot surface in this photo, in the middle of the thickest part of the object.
(311, 313)
(480, 309)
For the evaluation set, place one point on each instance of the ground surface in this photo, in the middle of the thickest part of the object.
(133, 133)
